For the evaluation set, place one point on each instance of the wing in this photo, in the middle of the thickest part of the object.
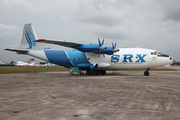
(95, 48)
(62, 43)
(79, 46)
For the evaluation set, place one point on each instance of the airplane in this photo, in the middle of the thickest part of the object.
(23, 64)
(95, 59)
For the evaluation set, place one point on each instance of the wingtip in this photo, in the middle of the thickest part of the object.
(39, 40)
(6, 49)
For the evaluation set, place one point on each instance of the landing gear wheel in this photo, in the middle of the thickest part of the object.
(103, 72)
(81, 73)
(95, 72)
(88, 72)
(146, 73)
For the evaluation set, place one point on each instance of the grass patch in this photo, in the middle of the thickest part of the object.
(29, 69)
(51, 68)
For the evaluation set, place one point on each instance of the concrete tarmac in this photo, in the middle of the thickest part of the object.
(121, 95)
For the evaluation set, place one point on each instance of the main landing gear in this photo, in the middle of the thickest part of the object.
(146, 73)
(95, 72)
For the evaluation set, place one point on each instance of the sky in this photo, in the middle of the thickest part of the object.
(152, 24)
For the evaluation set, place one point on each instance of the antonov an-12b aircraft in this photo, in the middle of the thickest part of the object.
(93, 58)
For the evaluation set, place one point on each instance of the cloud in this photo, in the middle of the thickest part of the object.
(171, 9)
(8, 30)
(144, 23)
(22, 7)
(113, 18)
(131, 22)
(10, 46)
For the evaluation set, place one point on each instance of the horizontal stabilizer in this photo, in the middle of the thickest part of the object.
(20, 51)
(62, 43)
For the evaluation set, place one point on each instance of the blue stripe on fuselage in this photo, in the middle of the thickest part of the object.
(68, 58)
(78, 58)
(58, 57)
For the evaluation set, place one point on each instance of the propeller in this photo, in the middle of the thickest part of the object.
(114, 49)
(114, 45)
(101, 48)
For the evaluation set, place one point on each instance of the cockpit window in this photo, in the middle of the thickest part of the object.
(153, 53)
(158, 53)
(163, 55)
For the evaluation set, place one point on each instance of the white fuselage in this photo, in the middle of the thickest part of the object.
(130, 58)
(126, 58)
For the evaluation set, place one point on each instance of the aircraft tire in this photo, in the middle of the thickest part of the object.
(103, 72)
(88, 72)
(95, 72)
(146, 73)
(81, 73)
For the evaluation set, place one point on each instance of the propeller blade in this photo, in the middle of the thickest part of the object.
(99, 42)
(101, 47)
(114, 45)
(99, 54)
(102, 41)
(103, 54)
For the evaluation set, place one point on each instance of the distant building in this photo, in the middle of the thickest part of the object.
(2, 62)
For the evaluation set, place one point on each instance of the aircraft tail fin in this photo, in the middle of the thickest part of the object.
(29, 36)
(28, 42)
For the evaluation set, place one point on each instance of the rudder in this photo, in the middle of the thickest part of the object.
(29, 36)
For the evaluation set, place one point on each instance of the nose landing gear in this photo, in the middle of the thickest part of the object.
(146, 73)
